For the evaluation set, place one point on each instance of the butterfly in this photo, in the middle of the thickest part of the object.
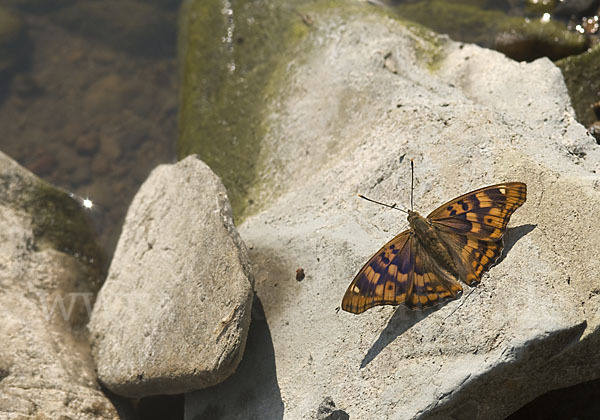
(461, 239)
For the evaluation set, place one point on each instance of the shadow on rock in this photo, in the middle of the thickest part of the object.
(404, 318)
(252, 392)
(512, 236)
(523, 368)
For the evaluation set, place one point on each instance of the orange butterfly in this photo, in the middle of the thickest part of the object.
(459, 240)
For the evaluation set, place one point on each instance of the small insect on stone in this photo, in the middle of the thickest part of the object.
(459, 240)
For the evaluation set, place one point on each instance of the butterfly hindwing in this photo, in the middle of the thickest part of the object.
(472, 226)
(472, 256)
(431, 284)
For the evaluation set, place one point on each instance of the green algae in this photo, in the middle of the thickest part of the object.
(528, 40)
(536, 7)
(582, 77)
(228, 58)
(462, 22)
(469, 23)
(38, 6)
(58, 221)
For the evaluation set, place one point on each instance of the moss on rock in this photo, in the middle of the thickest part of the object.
(227, 59)
(57, 220)
(517, 38)
(582, 76)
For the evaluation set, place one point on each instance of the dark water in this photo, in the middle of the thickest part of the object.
(85, 111)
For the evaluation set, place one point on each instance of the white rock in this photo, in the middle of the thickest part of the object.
(469, 117)
(48, 258)
(174, 311)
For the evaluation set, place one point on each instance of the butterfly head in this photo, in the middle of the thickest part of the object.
(418, 222)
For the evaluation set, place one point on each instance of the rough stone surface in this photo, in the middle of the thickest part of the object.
(174, 311)
(50, 269)
(362, 96)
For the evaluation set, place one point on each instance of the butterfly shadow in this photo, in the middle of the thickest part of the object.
(401, 320)
(404, 318)
(512, 236)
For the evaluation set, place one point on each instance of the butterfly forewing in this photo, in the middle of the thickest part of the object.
(483, 213)
(472, 226)
(383, 278)
(399, 273)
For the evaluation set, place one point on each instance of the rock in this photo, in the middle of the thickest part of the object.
(50, 270)
(110, 147)
(582, 76)
(25, 86)
(327, 411)
(87, 144)
(226, 400)
(108, 92)
(576, 402)
(174, 312)
(594, 130)
(337, 122)
(527, 41)
(519, 39)
(43, 165)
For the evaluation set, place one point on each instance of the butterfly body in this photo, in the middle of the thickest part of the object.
(421, 266)
(426, 233)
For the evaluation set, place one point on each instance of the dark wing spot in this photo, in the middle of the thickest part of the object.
(378, 268)
(362, 283)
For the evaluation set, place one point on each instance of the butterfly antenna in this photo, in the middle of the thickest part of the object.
(391, 206)
(412, 183)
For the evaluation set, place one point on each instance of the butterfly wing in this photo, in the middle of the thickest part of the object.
(473, 225)
(399, 273)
